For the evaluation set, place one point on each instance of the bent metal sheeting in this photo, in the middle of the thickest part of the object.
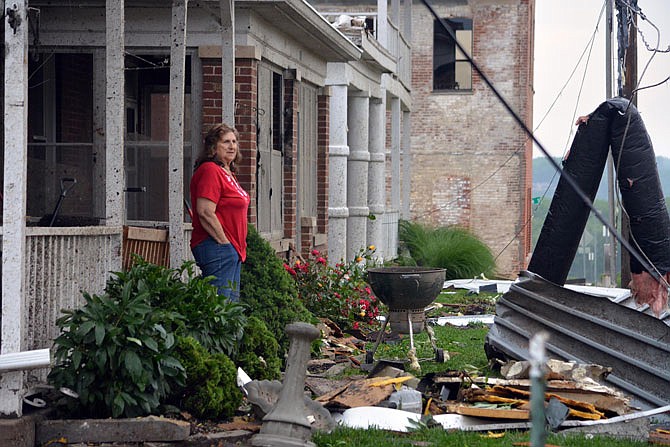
(587, 329)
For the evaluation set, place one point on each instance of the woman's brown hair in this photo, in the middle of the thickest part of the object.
(213, 136)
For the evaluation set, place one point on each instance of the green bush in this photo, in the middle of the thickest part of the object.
(268, 291)
(116, 354)
(201, 313)
(258, 352)
(452, 248)
(116, 351)
(211, 388)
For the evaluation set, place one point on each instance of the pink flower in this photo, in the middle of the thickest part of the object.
(315, 253)
(320, 260)
(355, 325)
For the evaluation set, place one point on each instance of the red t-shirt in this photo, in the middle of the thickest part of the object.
(211, 181)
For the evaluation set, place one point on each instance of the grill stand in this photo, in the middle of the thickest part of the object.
(411, 355)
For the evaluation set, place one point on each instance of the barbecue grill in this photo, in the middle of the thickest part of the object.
(406, 291)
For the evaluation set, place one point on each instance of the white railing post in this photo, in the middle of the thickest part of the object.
(176, 132)
(14, 198)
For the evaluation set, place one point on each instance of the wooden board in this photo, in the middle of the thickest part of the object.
(493, 413)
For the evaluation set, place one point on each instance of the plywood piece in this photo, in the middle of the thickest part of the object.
(359, 393)
(493, 413)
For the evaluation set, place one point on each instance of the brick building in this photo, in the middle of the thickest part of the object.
(471, 162)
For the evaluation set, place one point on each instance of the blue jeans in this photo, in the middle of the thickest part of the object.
(223, 263)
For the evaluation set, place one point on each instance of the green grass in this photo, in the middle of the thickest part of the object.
(438, 437)
(462, 301)
(464, 344)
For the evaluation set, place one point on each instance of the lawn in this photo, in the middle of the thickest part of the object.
(438, 437)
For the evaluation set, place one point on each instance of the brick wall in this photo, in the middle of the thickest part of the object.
(323, 137)
(470, 160)
(291, 101)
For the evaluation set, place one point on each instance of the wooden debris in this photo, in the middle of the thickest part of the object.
(659, 437)
(359, 393)
(493, 413)
(519, 398)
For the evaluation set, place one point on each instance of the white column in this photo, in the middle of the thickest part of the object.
(115, 178)
(406, 159)
(382, 23)
(376, 178)
(407, 28)
(395, 153)
(176, 133)
(114, 113)
(357, 173)
(338, 151)
(395, 12)
(14, 312)
(228, 60)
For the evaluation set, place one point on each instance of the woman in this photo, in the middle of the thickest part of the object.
(219, 238)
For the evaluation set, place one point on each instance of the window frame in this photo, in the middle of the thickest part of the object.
(444, 48)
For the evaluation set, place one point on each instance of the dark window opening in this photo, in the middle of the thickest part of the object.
(451, 69)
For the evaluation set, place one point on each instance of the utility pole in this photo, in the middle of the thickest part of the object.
(609, 249)
(627, 39)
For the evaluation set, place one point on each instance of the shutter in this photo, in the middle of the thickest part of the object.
(307, 138)
(264, 118)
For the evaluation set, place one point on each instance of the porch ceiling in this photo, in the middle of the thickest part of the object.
(302, 22)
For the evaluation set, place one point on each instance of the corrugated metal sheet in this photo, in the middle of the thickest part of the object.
(587, 329)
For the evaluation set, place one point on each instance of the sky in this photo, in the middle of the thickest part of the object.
(563, 29)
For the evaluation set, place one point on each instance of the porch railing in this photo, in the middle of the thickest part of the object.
(400, 48)
(60, 263)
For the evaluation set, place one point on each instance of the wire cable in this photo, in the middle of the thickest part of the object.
(569, 180)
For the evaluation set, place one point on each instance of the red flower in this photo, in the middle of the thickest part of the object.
(315, 253)
(290, 270)
(320, 260)
(355, 325)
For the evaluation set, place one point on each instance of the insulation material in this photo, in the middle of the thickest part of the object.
(563, 227)
(642, 198)
(618, 124)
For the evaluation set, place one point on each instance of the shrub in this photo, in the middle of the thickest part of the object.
(339, 293)
(201, 313)
(452, 248)
(116, 351)
(258, 352)
(268, 291)
(211, 388)
(116, 354)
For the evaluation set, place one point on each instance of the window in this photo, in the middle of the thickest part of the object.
(451, 69)
(60, 139)
(147, 136)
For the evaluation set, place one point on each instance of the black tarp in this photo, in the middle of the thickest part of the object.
(618, 124)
